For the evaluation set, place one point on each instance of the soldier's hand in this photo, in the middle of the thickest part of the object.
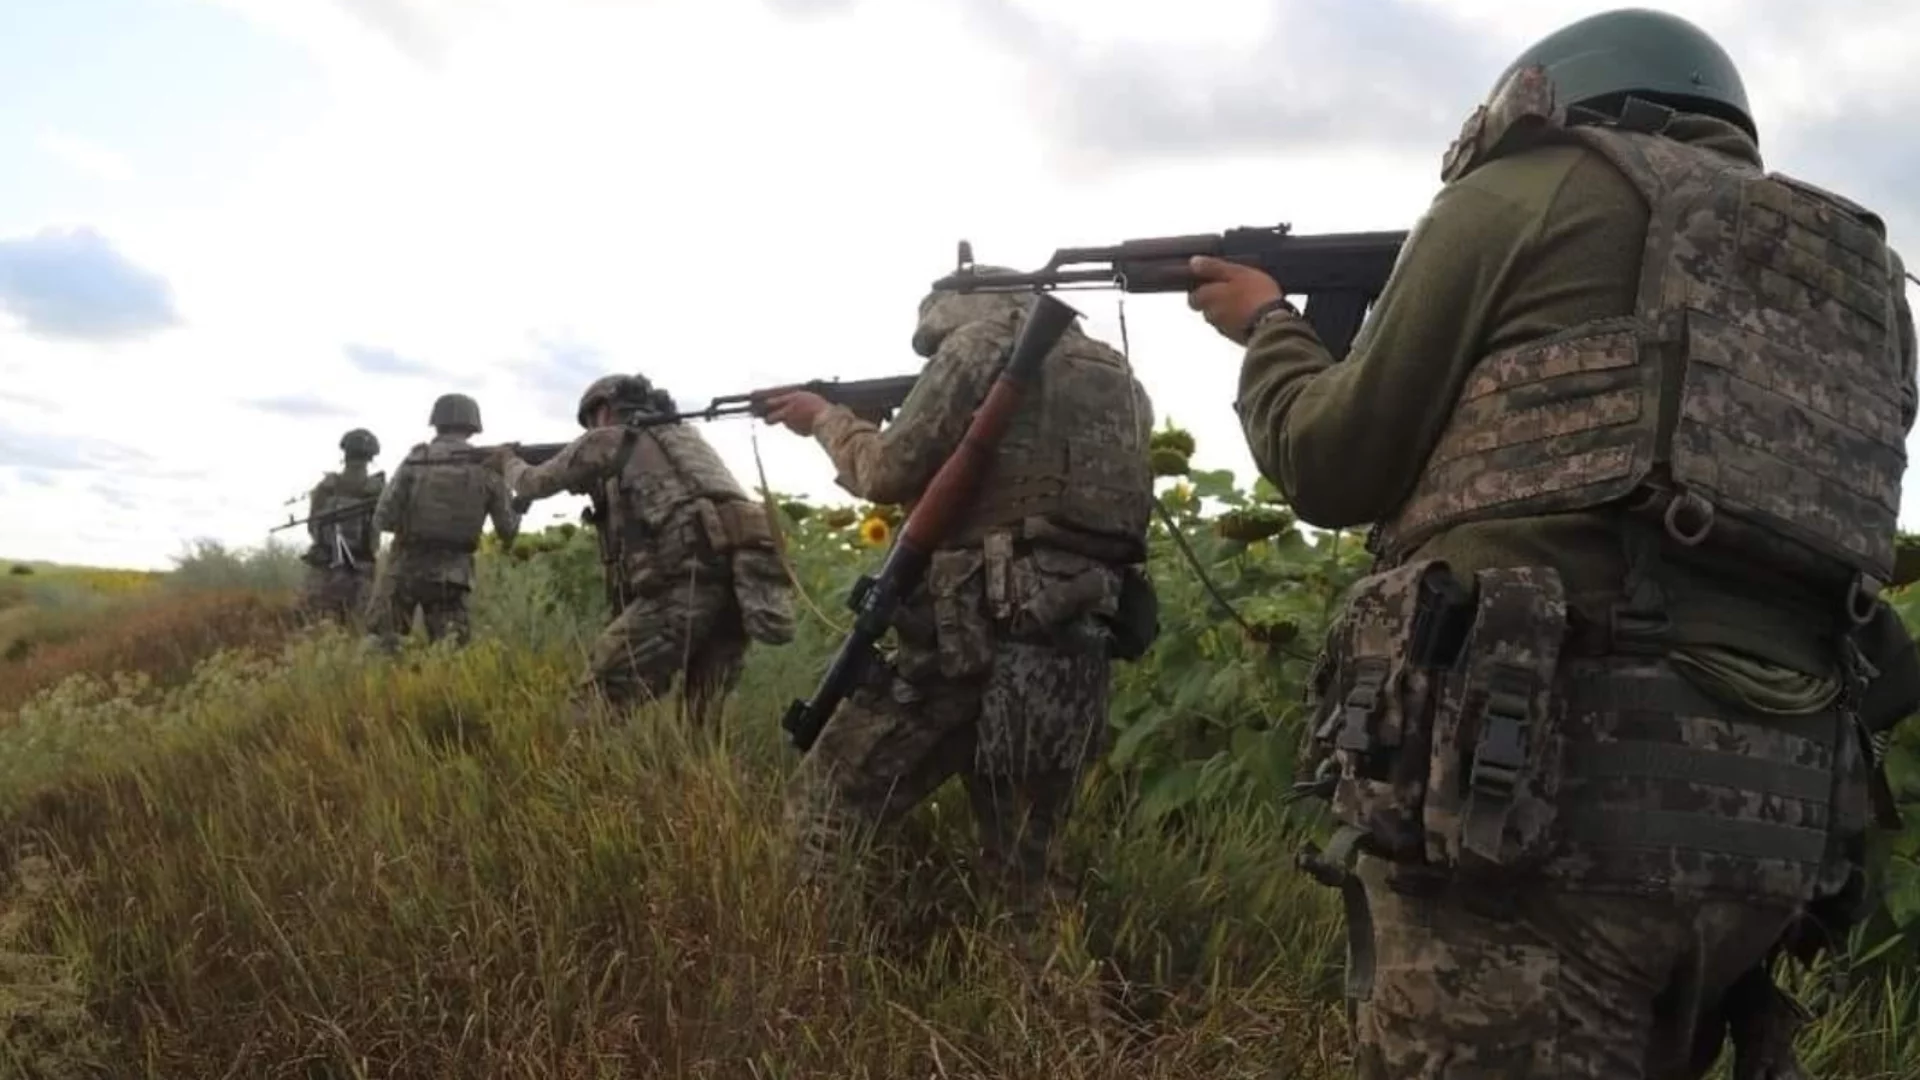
(799, 410)
(1229, 295)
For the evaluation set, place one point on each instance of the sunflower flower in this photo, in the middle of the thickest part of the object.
(875, 532)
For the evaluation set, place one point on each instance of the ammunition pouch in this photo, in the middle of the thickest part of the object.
(734, 525)
(1045, 595)
(1435, 722)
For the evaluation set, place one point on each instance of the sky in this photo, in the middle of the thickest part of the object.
(230, 230)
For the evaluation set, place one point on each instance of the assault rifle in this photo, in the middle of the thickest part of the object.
(338, 513)
(870, 399)
(876, 597)
(1340, 274)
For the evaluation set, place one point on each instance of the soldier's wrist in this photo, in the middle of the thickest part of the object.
(1277, 308)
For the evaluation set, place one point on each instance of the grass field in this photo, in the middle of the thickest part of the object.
(236, 849)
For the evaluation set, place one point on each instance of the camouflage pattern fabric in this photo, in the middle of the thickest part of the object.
(691, 633)
(337, 593)
(1745, 274)
(895, 742)
(439, 499)
(396, 596)
(1539, 982)
(1002, 671)
(688, 555)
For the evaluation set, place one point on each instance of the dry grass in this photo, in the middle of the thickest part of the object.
(328, 864)
(160, 636)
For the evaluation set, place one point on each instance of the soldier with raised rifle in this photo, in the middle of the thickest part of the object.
(1629, 423)
(1022, 552)
(692, 569)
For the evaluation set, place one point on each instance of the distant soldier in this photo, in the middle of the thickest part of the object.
(1004, 664)
(441, 495)
(692, 571)
(340, 559)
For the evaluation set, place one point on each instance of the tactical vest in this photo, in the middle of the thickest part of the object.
(447, 506)
(663, 470)
(357, 532)
(1756, 399)
(1074, 457)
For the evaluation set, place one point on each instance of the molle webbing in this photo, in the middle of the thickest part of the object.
(1667, 786)
(1760, 376)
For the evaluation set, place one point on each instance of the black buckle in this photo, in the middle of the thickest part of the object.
(1501, 752)
(1357, 709)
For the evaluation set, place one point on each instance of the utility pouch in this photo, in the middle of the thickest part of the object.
(962, 633)
(1497, 738)
(1373, 721)
(1136, 624)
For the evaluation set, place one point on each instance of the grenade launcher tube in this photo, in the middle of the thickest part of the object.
(877, 598)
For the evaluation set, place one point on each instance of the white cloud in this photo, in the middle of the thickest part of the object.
(713, 192)
(91, 159)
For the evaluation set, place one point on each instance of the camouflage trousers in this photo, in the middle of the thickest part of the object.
(893, 743)
(337, 592)
(692, 634)
(442, 606)
(1549, 982)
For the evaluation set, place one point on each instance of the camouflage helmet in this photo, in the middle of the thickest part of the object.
(943, 311)
(360, 443)
(1602, 59)
(456, 411)
(623, 392)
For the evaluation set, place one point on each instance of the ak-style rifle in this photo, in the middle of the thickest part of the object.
(1340, 274)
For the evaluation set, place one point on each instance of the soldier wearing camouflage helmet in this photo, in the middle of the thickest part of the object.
(692, 571)
(341, 556)
(1003, 669)
(1598, 728)
(441, 497)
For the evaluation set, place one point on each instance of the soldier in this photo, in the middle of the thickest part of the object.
(440, 498)
(340, 559)
(692, 570)
(1593, 723)
(1003, 667)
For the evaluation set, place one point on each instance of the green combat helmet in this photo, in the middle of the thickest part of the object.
(360, 443)
(456, 411)
(1601, 60)
(624, 392)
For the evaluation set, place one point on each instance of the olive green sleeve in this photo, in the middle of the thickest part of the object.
(1345, 442)
(1520, 248)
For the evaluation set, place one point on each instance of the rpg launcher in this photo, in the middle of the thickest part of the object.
(876, 597)
(1340, 274)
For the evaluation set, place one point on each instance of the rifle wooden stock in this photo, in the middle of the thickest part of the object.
(875, 598)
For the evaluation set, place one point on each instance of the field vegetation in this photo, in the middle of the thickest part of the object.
(233, 846)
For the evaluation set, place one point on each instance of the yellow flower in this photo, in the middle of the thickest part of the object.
(874, 532)
(1182, 492)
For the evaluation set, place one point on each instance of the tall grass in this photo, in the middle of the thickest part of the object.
(328, 863)
(290, 856)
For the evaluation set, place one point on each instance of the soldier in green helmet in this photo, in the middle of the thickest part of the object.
(1598, 727)
(441, 497)
(340, 558)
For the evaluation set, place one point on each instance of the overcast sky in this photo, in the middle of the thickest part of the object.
(232, 229)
